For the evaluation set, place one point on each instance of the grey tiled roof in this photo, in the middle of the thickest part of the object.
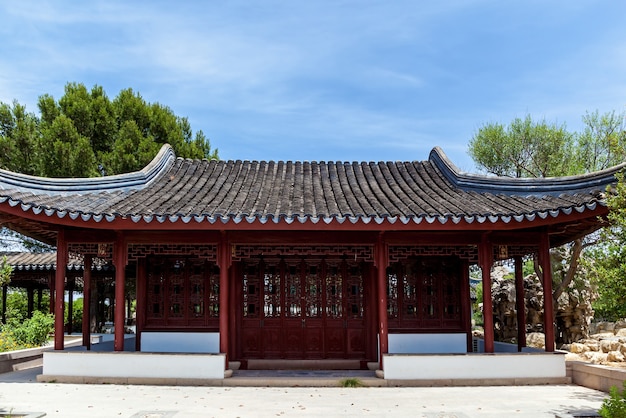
(173, 190)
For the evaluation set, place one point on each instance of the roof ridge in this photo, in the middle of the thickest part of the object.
(119, 182)
(553, 186)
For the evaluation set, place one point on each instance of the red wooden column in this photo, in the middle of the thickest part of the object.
(486, 261)
(119, 260)
(382, 261)
(546, 279)
(59, 289)
(86, 301)
(224, 261)
(520, 304)
(141, 301)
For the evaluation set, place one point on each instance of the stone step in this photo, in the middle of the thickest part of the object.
(325, 364)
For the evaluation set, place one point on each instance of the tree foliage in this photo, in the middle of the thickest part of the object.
(526, 148)
(538, 149)
(609, 263)
(5, 271)
(85, 134)
(522, 149)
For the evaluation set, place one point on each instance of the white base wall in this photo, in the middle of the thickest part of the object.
(180, 342)
(474, 366)
(123, 364)
(427, 343)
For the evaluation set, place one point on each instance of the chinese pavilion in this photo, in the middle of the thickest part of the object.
(304, 260)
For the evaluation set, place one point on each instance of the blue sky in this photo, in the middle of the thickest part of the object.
(327, 80)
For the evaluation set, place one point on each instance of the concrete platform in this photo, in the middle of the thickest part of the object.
(300, 378)
(19, 392)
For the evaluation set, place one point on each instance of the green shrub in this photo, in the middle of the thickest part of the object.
(351, 382)
(31, 332)
(615, 405)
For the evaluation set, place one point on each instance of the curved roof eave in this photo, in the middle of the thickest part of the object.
(399, 221)
(552, 186)
(121, 182)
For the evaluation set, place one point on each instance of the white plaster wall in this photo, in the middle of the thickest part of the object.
(121, 364)
(180, 342)
(474, 366)
(427, 343)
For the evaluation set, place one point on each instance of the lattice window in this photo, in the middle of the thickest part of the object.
(203, 251)
(334, 291)
(350, 252)
(425, 293)
(251, 291)
(402, 252)
(293, 290)
(392, 295)
(313, 291)
(354, 290)
(271, 294)
(181, 292)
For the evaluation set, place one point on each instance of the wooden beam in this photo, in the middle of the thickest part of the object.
(142, 294)
(546, 280)
(119, 260)
(224, 263)
(59, 290)
(520, 303)
(486, 261)
(382, 261)
(86, 329)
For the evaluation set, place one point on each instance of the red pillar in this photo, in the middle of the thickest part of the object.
(546, 279)
(486, 261)
(224, 262)
(382, 262)
(141, 301)
(119, 260)
(86, 301)
(520, 304)
(59, 290)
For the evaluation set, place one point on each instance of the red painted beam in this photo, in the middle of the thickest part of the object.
(59, 290)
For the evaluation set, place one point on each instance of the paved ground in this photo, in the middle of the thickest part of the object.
(20, 392)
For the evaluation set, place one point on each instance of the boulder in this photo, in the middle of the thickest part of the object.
(536, 340)
(602, 336)
(595, 357)
(621, 332)
(615, 356)
(621, 324)
(605, 346)
(578, 348)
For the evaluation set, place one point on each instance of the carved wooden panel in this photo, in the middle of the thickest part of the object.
(352, 252)
(308, 306)
(181, 292)
(204, 251)
(424, 293)
(402, 252)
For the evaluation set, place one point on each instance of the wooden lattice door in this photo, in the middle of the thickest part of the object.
(302, 309)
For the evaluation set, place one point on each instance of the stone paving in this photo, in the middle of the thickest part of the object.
(19, 392)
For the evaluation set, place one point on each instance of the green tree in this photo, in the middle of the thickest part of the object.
(5, 271)
(86, 134)
(529, 149)
(609, 261)
(523, 149)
